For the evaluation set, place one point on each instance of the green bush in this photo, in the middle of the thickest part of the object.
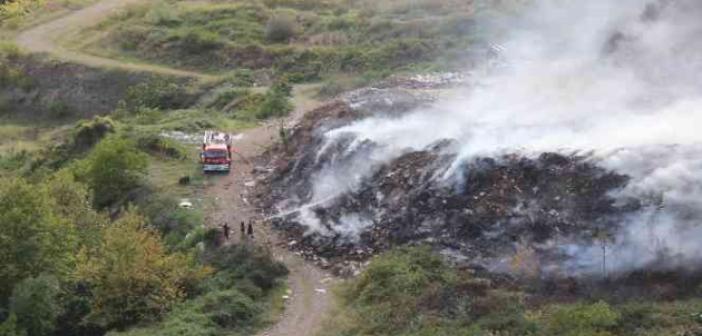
(390, 294)
(157, 94)
(9, 327)
(14, 77)
(114, 168)
(241, 78)
(229, 308)
(227, 98)
(280, 28)
(412, 291)
(242, 262)
(34, 239)
(88, 133)
(181, 228)
(300, 66)
(212, 314)
(163, 14)
(276, 102)
(231, 302)
(198, 41)
(598, 319)
(13, 161)
(155, 144)
(35, 303)
(58, 110)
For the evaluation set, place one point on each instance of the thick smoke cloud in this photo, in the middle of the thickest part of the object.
(620, 79)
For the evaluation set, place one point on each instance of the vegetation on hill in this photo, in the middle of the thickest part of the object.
(142, 264)
(303, 40)
(411, 291)
(17, 14)
(93, 240)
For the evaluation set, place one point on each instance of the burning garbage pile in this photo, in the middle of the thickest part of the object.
(579, 153)
(499, 203)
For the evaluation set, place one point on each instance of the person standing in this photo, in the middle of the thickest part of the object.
(243, 229)
(250, 229)
(225, 228)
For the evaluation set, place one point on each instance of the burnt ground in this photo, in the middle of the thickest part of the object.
(507, 218)
(54, 89)
(512, 213)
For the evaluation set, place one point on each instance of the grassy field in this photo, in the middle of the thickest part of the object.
(304, 40)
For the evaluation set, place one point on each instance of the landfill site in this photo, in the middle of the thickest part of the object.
(502, 170)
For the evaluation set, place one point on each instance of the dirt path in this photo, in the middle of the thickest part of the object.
(46, 37)
(310, 298)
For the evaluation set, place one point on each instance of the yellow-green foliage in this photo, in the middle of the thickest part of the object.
(17, 8)
(16, 14)
(233, 301)
(131, 275)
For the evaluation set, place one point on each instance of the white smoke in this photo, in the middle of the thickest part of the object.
(618, 78)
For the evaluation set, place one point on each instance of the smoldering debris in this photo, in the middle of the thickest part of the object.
(501, 204)
(595, 104)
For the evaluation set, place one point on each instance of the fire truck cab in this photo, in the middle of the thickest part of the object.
(216, 154)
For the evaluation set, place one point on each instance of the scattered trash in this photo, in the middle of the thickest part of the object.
(185, 204)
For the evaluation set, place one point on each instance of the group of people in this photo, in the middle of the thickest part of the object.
(246, 230)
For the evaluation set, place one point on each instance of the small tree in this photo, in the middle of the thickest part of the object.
(35, 303)
(72, 201)
(115, 167)
(276, 102)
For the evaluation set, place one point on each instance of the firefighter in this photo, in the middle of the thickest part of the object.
(250, 231)
(225, 228)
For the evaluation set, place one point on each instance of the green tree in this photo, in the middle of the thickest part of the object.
(115, 167)
(73, 203)
(35, 303)
(276, 102)
(9, 327)
(33, 239)
(131, 275)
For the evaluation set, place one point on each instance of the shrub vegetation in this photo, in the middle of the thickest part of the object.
(68, 269)
(411, 291)
(303, 40)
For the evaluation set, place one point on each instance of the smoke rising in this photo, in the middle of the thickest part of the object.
(618, 79)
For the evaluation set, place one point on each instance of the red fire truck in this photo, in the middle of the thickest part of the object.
(216, 154)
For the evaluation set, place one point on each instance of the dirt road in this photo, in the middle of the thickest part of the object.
(310, 298)
(46, 37)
